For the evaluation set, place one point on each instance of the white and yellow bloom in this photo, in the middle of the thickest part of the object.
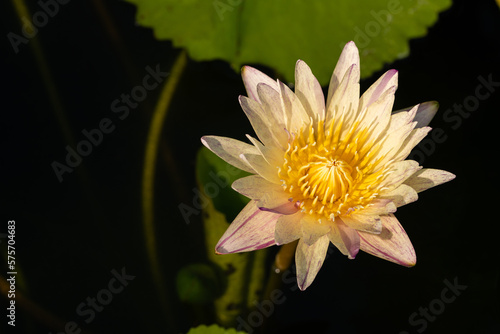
(326, 172)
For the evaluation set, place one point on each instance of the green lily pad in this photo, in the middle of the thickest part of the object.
(277, 33)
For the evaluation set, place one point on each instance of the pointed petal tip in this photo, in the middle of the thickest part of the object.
(431, 104)
(353, 254)
(450, 176)
(245, 68)
(408, 262)
(393, 244)
(411, 263)
(220, 250)
(350, 43)
(350, 46)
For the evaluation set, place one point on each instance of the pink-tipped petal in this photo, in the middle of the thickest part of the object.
(392, 244)
(252, 77)
(387, 80)
(425, 113)
(309, 259)
(229, 150)
(377, 115)
(309, 91)
(345, 238)
(252, 229)
(428, 178)
(288, 228)
(348, 57)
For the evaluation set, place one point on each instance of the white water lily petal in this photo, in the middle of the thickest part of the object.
(380, 206)
(295, 113)
(269, 196)
(348, 57)
(343, 105)
(392, 244)
(428, 178)
(377, 115)
(411, 141)
(252, 77)
(400, 171)
(272, 154)
(313, 229)
(288, 228)
(387, 80)
(345, 238)
(365, 223)
(229, 150)
(394, 143)
(272, 106)
(309, 92)
(309, 259)
(253, 110)
(425, 112)
(255, 186)
(401, 195)
(261, 167)
(252, 229)
(402, 118)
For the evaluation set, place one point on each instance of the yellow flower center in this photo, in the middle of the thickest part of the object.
(325, 180)
(329, 176)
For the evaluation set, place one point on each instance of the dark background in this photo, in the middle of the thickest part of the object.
(71, 235)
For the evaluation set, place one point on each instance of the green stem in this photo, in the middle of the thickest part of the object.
(150, 157)
(22, 10)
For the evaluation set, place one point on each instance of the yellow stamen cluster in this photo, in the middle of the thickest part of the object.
(330, 173)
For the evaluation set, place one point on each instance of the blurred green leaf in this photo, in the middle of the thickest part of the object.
(277, 33)
(243, 273)
(215, 177)
(199, 283)
(213, 329)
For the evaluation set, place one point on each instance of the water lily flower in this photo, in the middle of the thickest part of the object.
(324, 172)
